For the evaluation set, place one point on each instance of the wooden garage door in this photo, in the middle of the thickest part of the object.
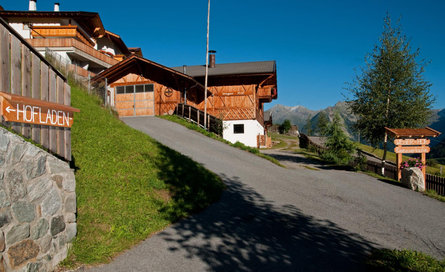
(135, 100)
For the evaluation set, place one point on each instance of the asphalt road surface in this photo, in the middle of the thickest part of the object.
(282, 219)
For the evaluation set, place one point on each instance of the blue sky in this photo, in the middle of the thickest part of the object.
(318, 45)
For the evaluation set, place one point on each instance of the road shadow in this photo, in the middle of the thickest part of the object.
(245, 232)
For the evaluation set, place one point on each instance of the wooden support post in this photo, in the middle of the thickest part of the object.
(199, 113)
(190, 113)
(399, 163)
(423, 158)
(182, 110)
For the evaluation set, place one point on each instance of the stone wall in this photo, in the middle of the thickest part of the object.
(37, 206)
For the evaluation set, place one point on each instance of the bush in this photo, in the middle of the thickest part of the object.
(285, 127)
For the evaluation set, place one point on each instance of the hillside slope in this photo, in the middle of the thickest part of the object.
(128, 185)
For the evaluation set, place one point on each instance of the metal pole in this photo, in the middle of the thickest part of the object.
(207, 67)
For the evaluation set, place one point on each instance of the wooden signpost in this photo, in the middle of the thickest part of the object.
(410, 141)
(16, 108)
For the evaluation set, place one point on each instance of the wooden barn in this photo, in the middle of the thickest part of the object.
(139, 87)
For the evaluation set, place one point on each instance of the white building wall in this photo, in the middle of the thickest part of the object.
(251, 129)
(22, 29)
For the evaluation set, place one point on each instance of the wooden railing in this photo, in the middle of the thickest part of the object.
(197, 116)
(24, 72)
(71, 42)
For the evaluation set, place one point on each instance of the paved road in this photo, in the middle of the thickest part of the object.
(282, 219)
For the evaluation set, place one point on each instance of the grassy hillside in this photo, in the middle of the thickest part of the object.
(128, 185)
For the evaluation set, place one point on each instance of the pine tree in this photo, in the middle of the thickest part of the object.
(322, 123)
(390, 91)
(339, 149)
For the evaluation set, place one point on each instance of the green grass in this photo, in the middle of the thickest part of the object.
(128, 185)
(385, 260)
(434, 194)
(192, 126)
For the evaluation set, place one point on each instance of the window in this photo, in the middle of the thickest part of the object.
(120, 90)
(129, 89)
(139, 88)
(149, 88)
(238, 129)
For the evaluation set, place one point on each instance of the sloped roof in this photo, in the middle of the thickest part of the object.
(89, 21)
(413, 132)
(148, 69)
(244, 68)
(118, 41)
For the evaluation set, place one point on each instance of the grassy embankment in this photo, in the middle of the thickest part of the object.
(128, 185)
(195, 127)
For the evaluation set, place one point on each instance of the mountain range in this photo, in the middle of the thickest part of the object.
(299, 116)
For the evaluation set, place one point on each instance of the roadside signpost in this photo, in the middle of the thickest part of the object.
(16, 108)
(411, 141)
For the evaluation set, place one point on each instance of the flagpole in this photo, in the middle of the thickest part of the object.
(207, 67)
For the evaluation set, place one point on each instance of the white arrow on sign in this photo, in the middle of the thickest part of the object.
(8, 109)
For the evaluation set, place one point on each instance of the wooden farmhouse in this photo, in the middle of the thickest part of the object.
(78, 39)
(236, 93)
(239, 91)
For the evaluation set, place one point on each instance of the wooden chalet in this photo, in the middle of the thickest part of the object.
(139, 86)
(77, 38)
(239, 91)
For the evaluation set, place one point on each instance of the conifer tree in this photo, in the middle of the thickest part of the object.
(390, 91)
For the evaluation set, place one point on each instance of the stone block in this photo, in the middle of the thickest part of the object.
(16, 187)
(69, 182)
(2, 241)
(35, 167)
(45, 243)
(71, 232)
(17, 233)
(38, 188)
(18, 150)
(24, 211)
(52, 203)
(5, 218)
(59, 180)
(2, 158)
(4, 199)
(40, 229)
(413, 178)
(57, 225)
(70, 217)
(57, 166)
(70, 203)
(4, 140)
(34, 267)
(22, 252)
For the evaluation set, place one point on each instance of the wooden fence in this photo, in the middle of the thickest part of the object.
(197, 116)
(23, 71)
(432, 182)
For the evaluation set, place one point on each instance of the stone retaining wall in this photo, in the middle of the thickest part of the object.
(37, 206)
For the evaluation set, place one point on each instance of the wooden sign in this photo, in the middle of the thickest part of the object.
(411, 141)
(412, 149)
(15, 108)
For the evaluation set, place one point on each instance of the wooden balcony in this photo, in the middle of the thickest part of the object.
(62, 32)
(266, 94)
(72, 43)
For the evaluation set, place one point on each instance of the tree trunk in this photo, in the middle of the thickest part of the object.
(385, 147)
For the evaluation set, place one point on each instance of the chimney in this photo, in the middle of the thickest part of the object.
(32, 5)
(56, 6)
(212, 58)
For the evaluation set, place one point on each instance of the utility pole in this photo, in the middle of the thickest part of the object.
(207, 68)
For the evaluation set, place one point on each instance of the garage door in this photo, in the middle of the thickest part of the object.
(135, 100)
